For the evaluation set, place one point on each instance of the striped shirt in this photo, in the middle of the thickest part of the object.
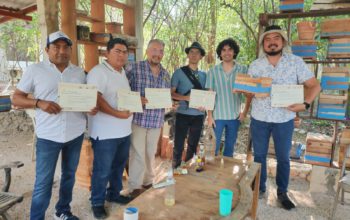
(140, 77)
(227, 104)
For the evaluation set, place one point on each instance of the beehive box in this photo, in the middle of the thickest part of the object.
(5, 103)
(332, 106)
(335, 28)
(335, 78)
(318, 149)
(339, 48)
(305, 48)
(291, 5)
(261, 87)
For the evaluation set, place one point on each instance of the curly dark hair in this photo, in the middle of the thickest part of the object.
(231, 43)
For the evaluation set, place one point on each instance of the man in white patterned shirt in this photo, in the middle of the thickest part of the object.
(276, 61)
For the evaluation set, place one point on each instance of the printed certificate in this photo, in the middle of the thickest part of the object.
(286, 95)
(77, 97)
(158, 98)
(129, 100)
(202, 98)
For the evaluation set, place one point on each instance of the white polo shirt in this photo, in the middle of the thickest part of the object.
(108, 81)
(42, 80)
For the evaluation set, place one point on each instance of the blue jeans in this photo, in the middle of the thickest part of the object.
(46, 158)
(231, 130)
(110, 157)
(282, 137)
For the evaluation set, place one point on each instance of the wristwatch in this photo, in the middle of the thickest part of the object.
(307, 105)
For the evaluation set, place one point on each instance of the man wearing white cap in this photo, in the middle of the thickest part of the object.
(56, 131)
(276, 61)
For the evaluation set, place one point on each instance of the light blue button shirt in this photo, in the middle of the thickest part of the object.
(290, 70)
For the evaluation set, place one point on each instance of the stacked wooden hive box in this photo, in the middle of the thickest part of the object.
(305, 46)
(338, 33)
(260, 87)
(344, 143)
(291, 5)
(334, 80)
(318, 149)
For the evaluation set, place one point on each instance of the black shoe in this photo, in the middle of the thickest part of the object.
(285, 201)
(99, 212)
(120, 199)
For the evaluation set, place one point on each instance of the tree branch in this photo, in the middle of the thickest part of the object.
(150, 12)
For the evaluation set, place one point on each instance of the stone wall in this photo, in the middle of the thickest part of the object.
(15, 122)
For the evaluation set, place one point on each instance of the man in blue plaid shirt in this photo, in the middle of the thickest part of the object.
(146, 126)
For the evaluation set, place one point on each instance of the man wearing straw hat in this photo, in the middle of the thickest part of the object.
(276, 61)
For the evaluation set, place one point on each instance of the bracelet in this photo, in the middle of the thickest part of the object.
(36, 103)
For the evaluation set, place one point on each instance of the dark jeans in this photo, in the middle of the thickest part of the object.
(231, 130)
(282, 137)
(110, 157)
(191, 124)
(47, 153)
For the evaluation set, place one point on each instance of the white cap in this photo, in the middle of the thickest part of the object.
(58, 35)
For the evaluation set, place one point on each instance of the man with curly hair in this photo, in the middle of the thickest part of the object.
(227, 113)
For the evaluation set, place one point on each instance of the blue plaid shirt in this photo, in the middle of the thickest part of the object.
(140, 77)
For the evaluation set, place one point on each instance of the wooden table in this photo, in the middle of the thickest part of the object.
(197, 194)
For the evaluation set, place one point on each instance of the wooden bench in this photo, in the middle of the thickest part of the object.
(7, 200)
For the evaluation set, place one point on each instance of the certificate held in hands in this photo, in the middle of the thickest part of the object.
(158, 98)
(202, 98)
(77, 97)
(286, 95)
(129, 101)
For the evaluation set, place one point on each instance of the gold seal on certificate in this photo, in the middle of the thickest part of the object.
(77, 97)
(286, 95)
(129, 100)
(202, 98)
(158, 98)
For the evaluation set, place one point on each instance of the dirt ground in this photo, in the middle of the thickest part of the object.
(18, 147)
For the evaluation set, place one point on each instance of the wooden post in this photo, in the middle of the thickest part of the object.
(129, 18)
(48, 19)
(68, 24)
(139, 29)
(91, 51)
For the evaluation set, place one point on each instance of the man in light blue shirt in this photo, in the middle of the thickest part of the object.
(189, 121)
(275, 61)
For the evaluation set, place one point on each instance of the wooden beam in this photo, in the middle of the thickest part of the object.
(68, 26)
(116, 4)
(15, 15)
(129, 19)
(323, 13)
(24, 11)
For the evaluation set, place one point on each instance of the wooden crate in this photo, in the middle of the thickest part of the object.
(339, 48)
(335, 78)
(261, 87)
(5, 103)
(335, 28)
(84, 170)
(291, 5)
(318, 149)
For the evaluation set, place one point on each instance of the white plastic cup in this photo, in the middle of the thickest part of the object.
(131, 213)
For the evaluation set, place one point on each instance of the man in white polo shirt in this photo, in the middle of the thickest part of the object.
(56, 131)
(109, 129)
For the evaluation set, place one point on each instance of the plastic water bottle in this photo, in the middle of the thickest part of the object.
(169, 198)
(209, 143)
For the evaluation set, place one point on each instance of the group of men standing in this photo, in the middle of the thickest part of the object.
(118, 135)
